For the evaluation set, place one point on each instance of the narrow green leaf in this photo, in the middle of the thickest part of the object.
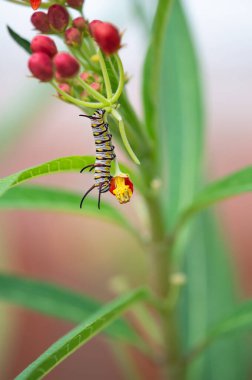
(58, 302)
(69, 343)
(42, 198)
(240, 320)
(20, 40)
(152, 78)
(234, 184)
(60, 165)
(209, 296)
(181, 117)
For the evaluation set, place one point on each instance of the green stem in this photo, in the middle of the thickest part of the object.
(120, 87)
(105, 75)
(77, 102)
(135, 126)
(94, 93)
(160, 255)
(126, 143)
(89, 64)
(89, 43)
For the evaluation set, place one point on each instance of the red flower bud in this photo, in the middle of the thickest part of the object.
(79, 23)
(43, 44)
(96, 86)
(106, 35)
(93, 25)
(73, 37)
(85, 75)
(75, 3)
(40, 22)
(35, 4)
(58, 17)
(59, 78)
(66, 88)
(66, 65)
(41, 66)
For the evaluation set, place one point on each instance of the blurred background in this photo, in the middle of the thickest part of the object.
(36, 127)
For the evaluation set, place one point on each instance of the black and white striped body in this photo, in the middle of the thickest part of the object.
(104, 154)
(104, 151)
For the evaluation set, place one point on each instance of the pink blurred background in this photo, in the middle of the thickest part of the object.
(71, 254)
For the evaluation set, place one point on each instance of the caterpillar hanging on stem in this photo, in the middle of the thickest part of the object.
(120, 185)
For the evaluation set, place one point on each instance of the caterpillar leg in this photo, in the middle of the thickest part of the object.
(86, 193)
(91, 166)
(99, 196)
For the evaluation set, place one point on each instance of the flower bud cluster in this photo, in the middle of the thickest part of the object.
(45, 61)
(47, 64)
(54, 21)
(57, 18)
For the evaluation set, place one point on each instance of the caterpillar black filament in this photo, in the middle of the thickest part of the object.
(104, 155)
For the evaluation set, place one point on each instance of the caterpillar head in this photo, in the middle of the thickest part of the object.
(122, 188)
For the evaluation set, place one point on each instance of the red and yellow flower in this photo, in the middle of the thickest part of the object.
(122, 188)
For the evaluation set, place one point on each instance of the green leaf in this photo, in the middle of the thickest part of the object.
(42, 198)
(209, 292)
(58, 302)
(152, 78)
(209, 296)
(69, 343)
(240, 320)
(181, 117)
(20, 40)
(234, 184)
(60, 165)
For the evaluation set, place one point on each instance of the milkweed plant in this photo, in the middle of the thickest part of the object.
(189, 313)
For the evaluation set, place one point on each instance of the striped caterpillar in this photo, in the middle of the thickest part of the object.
(104, 155)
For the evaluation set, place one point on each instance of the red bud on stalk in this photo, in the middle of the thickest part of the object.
(73, 37)
(35, 4)
(80, 23)
(66, 88)
(58, 17)
(41, 66)
(85, 76)
(66, 65)
(106, 35)
(40, 22)
(43, 44)
(75, 3)
(96, 86)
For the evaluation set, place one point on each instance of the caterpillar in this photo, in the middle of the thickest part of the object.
(104, 155)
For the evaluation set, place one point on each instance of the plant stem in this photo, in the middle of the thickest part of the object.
(75, 101)
(126, 143)
(160, 254)
(105, 75)
(121, 82)
(93, 92)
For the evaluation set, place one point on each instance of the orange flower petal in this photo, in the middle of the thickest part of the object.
(35, 4)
